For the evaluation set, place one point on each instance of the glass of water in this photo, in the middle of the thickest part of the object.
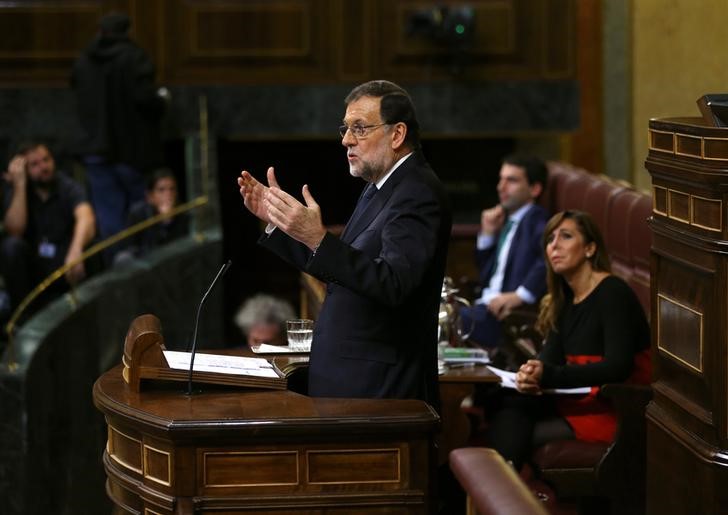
(300, 334)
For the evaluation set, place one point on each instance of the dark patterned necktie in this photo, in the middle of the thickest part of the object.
(366, 196)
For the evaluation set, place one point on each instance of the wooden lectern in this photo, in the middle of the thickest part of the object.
(144, 358)
(240, 450)
(687, 422)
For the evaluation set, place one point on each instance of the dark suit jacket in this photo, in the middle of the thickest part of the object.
(525, 265)
(376, 334)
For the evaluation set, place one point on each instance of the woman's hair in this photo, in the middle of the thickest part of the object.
(553, 301)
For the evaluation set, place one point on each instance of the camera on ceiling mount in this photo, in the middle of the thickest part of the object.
(451, 26)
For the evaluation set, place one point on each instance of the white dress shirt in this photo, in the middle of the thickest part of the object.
(495, 286)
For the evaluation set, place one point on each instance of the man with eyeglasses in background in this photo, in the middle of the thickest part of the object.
(376, 335)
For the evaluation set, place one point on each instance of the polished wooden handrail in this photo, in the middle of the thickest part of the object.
(90, 252)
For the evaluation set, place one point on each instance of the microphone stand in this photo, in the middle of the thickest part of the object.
(220, 273)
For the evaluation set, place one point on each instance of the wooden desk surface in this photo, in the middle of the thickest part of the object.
(469, 374)
(164, 406)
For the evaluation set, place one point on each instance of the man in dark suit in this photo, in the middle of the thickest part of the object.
(509, 251)
(376, 335)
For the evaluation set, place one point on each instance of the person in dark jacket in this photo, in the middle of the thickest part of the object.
(161, 199)
(120, 109)
(376, 332)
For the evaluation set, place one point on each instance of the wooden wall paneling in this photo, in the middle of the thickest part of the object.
(147, 29)
(352, 39)
(42, 39)
(513, 39)
(587, 143)
(240, 42)
(290, 41)
(559, 35)
(417, 56)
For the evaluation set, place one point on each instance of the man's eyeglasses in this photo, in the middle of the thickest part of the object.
(359, 131)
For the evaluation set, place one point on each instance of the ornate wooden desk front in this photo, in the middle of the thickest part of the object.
(246, 451)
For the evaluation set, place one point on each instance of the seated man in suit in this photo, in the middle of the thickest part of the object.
(509, 252)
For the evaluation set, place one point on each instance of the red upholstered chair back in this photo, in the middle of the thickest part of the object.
(617, 236)
(621, 213)
(560, 175)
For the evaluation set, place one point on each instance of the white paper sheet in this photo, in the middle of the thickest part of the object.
(265, 348)
(508, 380)
(221, 363)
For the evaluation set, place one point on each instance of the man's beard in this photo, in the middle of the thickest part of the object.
(368, 171)
(43, 185)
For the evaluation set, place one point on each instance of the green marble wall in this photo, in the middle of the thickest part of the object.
(51, 435)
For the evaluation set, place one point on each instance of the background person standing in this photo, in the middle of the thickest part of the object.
(120, 110)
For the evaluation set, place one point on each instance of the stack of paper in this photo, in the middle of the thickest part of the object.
(508, 380)
(224, 369)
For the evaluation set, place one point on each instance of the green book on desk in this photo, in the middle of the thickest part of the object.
(463, 355)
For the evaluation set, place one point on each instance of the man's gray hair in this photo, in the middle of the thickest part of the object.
(263, 308)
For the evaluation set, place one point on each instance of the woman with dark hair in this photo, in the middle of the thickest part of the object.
(596, 333)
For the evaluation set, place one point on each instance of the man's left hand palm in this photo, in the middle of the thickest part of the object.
(301, 222)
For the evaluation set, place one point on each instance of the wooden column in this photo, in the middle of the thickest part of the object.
(687, 426)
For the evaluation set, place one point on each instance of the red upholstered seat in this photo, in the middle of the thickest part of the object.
(560, 174)
(575, 191)
(598, 199)
(617, 235)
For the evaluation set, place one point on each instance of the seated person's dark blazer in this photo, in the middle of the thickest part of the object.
(376, 334)
(524, 267)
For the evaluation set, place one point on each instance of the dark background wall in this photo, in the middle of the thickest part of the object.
(274, 74)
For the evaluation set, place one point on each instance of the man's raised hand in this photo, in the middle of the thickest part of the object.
(253, 193)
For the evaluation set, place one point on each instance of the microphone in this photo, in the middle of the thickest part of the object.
(220, 273)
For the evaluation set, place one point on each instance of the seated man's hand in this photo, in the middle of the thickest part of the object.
(491, 220)
(501, 305)
(16, 174)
